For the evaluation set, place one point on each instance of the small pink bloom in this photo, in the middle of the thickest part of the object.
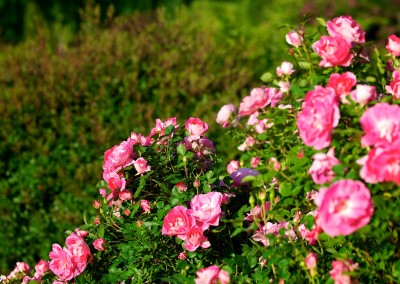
(284, 87)
(311, 262)
(141, 166)
(102, 192)
(285, 69)
(145, 204)
(248, 143)
(347, 28)
(181, 186)
(258, 99)
(363, 94)
(381, 124)
(344, 207)
(263, 125)
(196, 128)
(212, 275)
(195, 239)
(125, 195)
(21, 269)
(342, 84)
(233, 166)
(393, 45)
(394, 86)
(297, 216)
(61, 263)
(224, 115)
(81, 233)
(226, 197)
(255, 161)
(99, 244)
(273, 228)
(311, 235)
(159, 129)
(127, 212)
(335, 51)
(294, 38)
(273, 162)
(196, 183)
(114, 180)
(338, 267)
(178, 222)
(42, 267)
(206, 209)
(96, 204)
(258, 212)
(80, 252)
(96, 220)
(182, 255)
(321, 169)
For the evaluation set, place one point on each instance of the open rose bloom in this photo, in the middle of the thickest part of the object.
(211, 275)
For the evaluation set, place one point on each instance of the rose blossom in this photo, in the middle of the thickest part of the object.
(61, 263)
(340, 266)
(114, 180)
(347, 28)
(125, 195)
(119, 156)
(363, 94)
(344, 207)
(284, 87)
(178, 222)
(258, 212)
(141, 166)
(224, 115)
(394, 86)
(311, 262)
(211, 275)
(335, 51)
(80, 251)
(286, 68)
(294, 38)
(233, 166)
(381, 124)
(20, 268)
(206, 209)
(311, 235)
(195, 239)
(182, 255)
(342, 84)
(273, 228)
(321, 169)
(393, 45)
(145, 204)
(196, 128)
(99, 244)
(258, 99)
(182, 186)
(255, 161)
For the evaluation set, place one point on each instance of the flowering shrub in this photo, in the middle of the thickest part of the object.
(312, 196)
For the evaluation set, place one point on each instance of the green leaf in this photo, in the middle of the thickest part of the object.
(142, 183)
(305, 65)
(237, 231)
(285, 189)
(321, 21)
(169, 129)
(181, 149)
(267, 77)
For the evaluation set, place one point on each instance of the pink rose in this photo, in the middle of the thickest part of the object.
(196, 128)
(347, 28)
(42, 267)
(363, 94)
(344, 207)
(335, 51)
(103, 192)
(206, 209)
(195, 239)
(61, 263)
(145, 204)
(178, 222)
(319, 116)
(114, 180)
(286, 68)
(273, 228)
(182, 255)
(393, 45)
(311, 235)
(284, 87)
(311, 262)
(394, 86)
(321, 169)
(224, 115)
(21, 269)
(160, 126)
(119, 157)
(342, 84)
(81, 233)
(273, 163)
(211, 275)
(340, 266)
(294, 38)
(258, 99)
(125, 195)
(141, 166)
(258, 212)
(247, 144)
(80, 252)
(381, 124)
(99, 244)
(255, 161)
(233, 166)
(182, 186)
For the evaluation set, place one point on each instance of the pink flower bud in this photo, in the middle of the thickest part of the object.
(181, 186)
(127, 212)
(182, 255)
(145, 204)
(96, 204)
(125, 195)
(294, 38)
(99, 244)
(81, 233)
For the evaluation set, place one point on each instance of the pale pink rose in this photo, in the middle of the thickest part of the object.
(206, 209)
(335, 51)
(233, 166)
(182, 255)
(99, 244)
(284, 87)
(253, 120)
(311, 235)
(394, 86)
(159, 128)
(114, 181)
(119, 157)
(42, 267)
(262, 125)
(273, 228)
(80, 252)
(363, 94)
(344, 207)
(141, 166)
(145, 204)
(286, 68)
(61, 263)
(241, 173)
(393, 45)
(125, 195)
(342, 84)
(178, 222)
(181, 186)
(81, 233)
(255, 161)
(297, 216)
(321, 168)
(311, 262)
(273, 163)
(320, 114)
(194, 239)
(212, 275)
(258, 99)
(21, 269)
(381, 124)
(294, 38)
(382, 164)
(224, 115)
(196, 128)
(340, 266)
(247, 144)
(258, 212)
(102, 192)
(346, 27)
(274, 95)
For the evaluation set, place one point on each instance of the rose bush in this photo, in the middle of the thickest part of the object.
(311, 196)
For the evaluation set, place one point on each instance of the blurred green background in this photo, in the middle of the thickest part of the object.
(76, 77)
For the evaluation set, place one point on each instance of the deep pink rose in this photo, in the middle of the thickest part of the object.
(114, 181)
(178, 222)
(335, 51)
(206, 209)
(393, 45)
(119, 157)
(194, 239)
(394, 86)
(319, 116)
(344, 207)
(81, 233)
(381, 124)
(80, 252)
(99, 244)
(61, 263)
(342, 84)
(340, 266)
(141, 165)
(212, 275)
(382, 164)
(363, 94)
(294, 38)
(258, 99)
(347, 28)
(224, 115)
(321, 169)
(145, 204)
(196, 128)
(311, 236)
